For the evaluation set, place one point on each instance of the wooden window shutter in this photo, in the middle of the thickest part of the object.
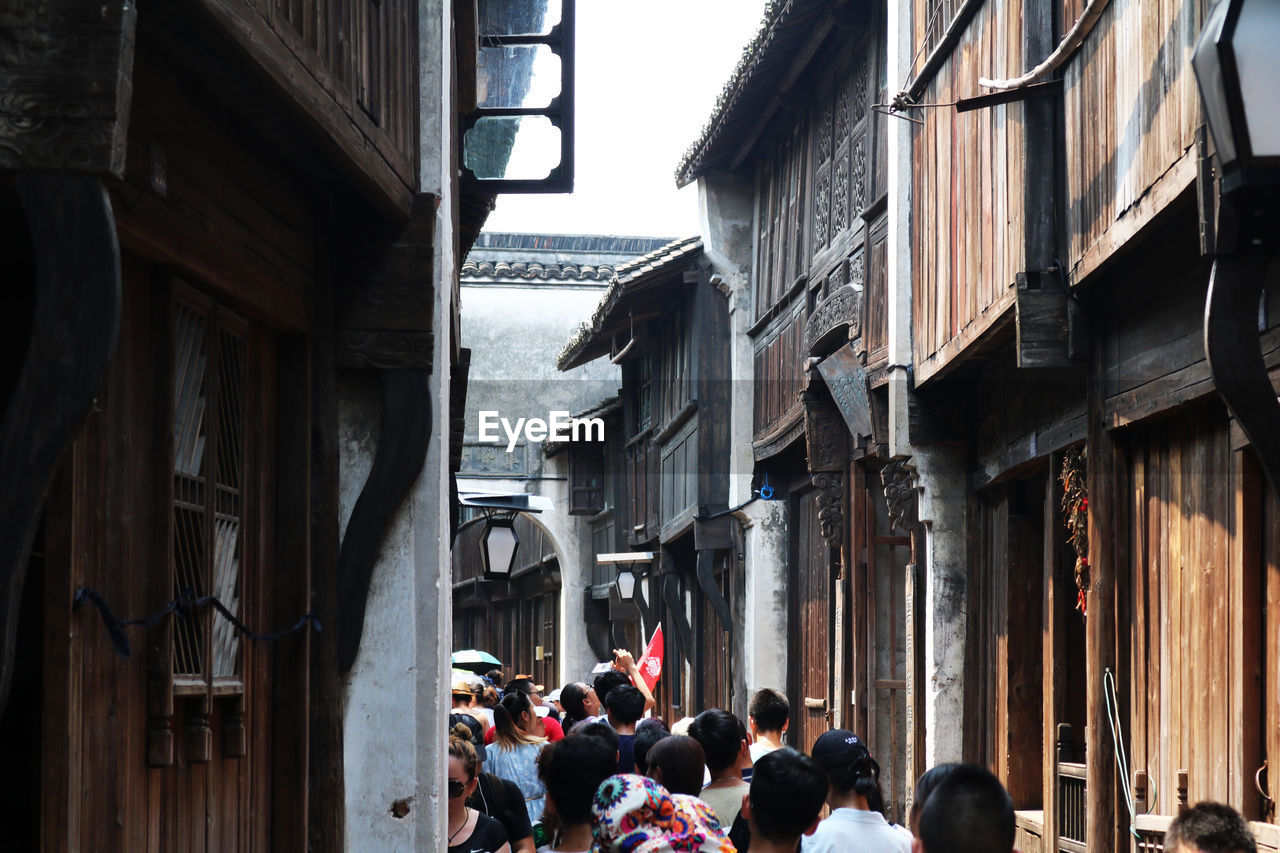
(207, 515)
(586, 478)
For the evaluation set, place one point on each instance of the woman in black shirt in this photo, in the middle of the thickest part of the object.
(469, 831)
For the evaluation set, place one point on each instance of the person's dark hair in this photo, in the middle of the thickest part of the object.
(600, 730)
(769, 709)
(625, 704)
(1209, 828)
(929, 779)
(646, 737)
(969, 812)
(572, 697)
(606, 681)
(788, 789)
(524, 685)
(489, 697)
(653, 722)
(572, 769)
(677, 762)
(506, 728)
(494, 677)
(721, 735)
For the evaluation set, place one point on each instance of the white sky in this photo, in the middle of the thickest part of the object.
(647, 79)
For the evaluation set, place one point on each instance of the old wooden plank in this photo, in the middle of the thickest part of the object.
(1100, 635)
(1169, 186)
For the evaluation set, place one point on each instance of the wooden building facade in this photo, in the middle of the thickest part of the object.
(666, 324)
(803, 124)
(218, 225)
(1054, 238)
(1061, 243)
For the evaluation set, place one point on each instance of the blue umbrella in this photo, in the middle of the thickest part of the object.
(475, 660)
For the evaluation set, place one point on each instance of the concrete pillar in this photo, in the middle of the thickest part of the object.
(943, 511)
(764, 629)
(726, 208)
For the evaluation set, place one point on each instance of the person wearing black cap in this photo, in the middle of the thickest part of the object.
(495, 797)
(856, 821)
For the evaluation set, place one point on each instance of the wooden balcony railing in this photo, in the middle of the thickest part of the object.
(1073, 806)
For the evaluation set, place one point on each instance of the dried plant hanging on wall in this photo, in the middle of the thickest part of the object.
(1075, 512)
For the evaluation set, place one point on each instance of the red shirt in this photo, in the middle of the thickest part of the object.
(554, 730)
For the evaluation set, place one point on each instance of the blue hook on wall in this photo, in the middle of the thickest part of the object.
(766, 491)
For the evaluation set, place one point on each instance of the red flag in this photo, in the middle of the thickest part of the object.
(651, 663)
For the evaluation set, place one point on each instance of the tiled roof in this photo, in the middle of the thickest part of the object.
(784, 27)
(535, 270)
(610, 243)
(628, 276)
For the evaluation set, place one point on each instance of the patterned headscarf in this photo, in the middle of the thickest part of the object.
(634, 814)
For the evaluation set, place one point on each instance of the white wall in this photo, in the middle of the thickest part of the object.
(394, 721)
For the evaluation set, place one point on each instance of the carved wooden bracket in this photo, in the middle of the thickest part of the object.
(402, 450)
(831, 509)
(900, 492)
(834, 320)
(73, 337)
(385, 312)
(826, 438)
(707, 581)
(1234, 352)
(683, 635)
(65, 90)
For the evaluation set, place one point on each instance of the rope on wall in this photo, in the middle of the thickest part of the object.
(184, 606)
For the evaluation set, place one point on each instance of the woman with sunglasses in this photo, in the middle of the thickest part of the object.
(469, 831)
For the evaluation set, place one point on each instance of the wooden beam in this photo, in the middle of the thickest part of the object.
(65, 85)
(1100, 627)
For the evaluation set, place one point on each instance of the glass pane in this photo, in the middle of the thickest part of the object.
(518, 17)
(512, 148)
(525, 76)
(1259, 69)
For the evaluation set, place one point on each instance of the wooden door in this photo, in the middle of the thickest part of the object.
(811, 640)
(884, 588)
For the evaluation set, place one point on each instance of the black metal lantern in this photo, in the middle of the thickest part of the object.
(1237, 67)
(498, 546)
(631, 567)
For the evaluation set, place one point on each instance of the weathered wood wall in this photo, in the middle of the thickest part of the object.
(1186, 609)
(967, 196)
(1131, 113)
(349, 67)
(108, 526)
(199, 195)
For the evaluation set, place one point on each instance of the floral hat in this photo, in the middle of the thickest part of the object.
(634, 814)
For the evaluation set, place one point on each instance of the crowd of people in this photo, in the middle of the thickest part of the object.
(572, 772)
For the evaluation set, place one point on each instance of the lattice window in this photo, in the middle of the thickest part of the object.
(208, 492)
(932, 25)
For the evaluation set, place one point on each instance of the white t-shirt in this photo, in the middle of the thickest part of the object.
(760, 748)
(853, 829)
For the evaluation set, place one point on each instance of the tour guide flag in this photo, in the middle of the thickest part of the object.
(651, 664)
